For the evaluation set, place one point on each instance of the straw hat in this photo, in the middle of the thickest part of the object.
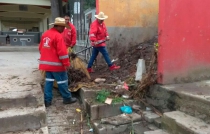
(101, 16)
(60, 22)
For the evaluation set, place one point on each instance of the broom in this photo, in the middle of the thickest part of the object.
(77, 63)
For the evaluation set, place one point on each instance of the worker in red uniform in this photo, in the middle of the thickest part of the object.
(98, 35)
(54, 60)
(69, 35)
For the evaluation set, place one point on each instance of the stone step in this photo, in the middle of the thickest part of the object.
(159, 131)
(190, 98)
(152, 127)
(177, 122)
(137, 127)
(158, 122)
(122, 119)
(150, 116)
(22, 119)
(86, 93)
(123, 124)
(27, 96)
(43, 130)
(116, 124)
(101, 110)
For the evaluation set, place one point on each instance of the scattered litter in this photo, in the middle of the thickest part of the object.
(78, 110)
(114, 60)
(108, 101)
(118, 87)
(99, 80)
(122, 85)
(148, 109)
(119, 82)
(141, 69)
(136, 107)
(126, 96)
(91, 130)
(73, 122)
(125, 86)
(126, 109)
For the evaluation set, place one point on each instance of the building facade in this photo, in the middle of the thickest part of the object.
(129, 22)
(28, 17)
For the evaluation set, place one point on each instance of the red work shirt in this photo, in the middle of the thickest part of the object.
(70, 36)
(53, 52)
(98, 32)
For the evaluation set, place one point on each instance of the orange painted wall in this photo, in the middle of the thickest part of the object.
(130, 22)
(130, 13)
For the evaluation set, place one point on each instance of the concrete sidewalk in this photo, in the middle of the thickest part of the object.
(21, 97)
(19, 70)
(19, 48)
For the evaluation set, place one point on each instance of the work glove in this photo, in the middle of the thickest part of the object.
(94, 43)
(66, 67)
(107, 38)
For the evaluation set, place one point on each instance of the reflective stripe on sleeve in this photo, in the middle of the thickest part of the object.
(50, 63)
(92, 35)
(63, 57)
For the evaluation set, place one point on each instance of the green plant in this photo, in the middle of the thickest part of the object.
(102, 95)
(156, 46)
(132, 128)
(117, 100)
(88, 121)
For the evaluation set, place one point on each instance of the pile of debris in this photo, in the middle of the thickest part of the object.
(128, 61)
(74, 76)
(126, 74)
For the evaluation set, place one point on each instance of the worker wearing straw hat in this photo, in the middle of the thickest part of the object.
(98, 35)
(54, 60)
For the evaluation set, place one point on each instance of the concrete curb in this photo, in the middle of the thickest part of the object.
(13, 120)
(43, 130)
(174, 97)
(98, 111)
(180, 123)
(19, 49)
(17, 99)
(159, 131)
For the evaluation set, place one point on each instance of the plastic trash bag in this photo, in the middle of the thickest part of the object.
(126, 109)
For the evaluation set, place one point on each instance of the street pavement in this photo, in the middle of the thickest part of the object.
(19, 70)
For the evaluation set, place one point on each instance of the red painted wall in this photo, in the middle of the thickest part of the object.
(184, 41)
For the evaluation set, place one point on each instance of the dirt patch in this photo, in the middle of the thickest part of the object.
(75, 75)
(127, 60)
